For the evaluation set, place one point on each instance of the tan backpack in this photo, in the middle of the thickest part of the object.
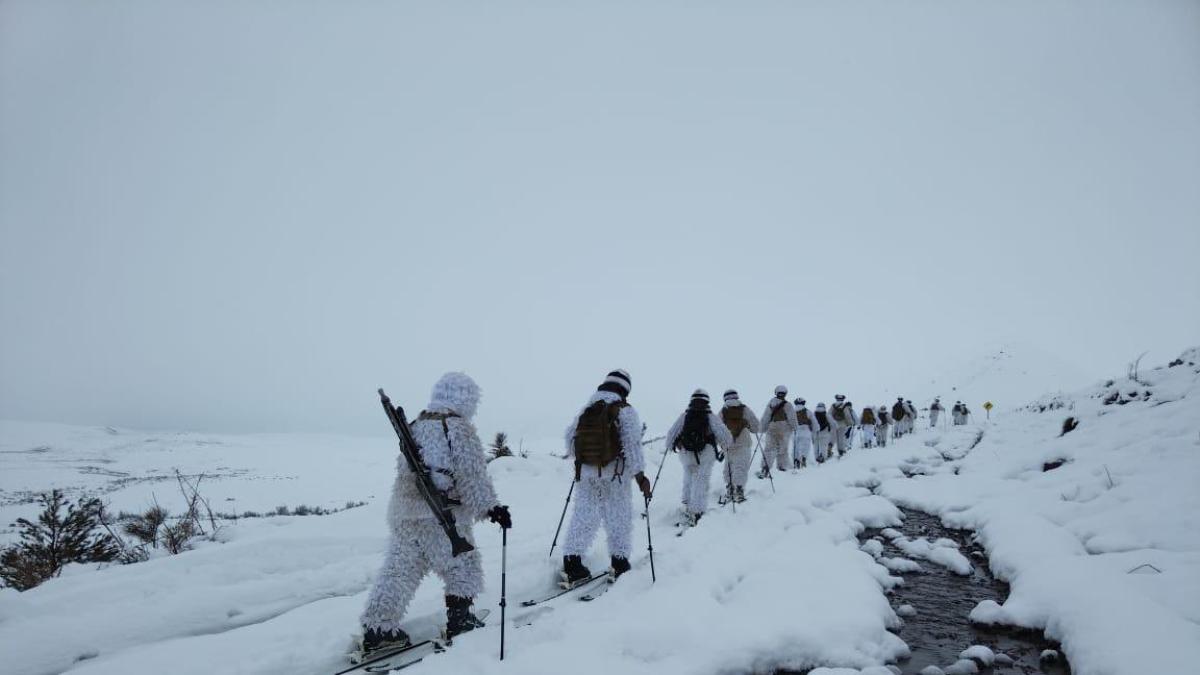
(597, 435)
(839, 412)
(778, 414)
(734, 417)
(802, 418)
(868, 416)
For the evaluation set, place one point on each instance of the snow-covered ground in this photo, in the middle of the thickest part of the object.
(1102, 553)
(133, 469)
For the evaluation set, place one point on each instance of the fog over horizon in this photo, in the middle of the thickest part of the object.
(245, 217)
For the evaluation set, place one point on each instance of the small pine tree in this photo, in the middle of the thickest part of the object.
(55, 540)
(500, 446)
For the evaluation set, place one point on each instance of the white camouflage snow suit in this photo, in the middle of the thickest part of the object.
(910, 421)
(779, 425)
(450, 447)
(603, 496)
(935, 411)
(738, 454)
(883, 420)
(697, 466)
(866, 427)
(823, 439)
(844, 426)
(806, 431)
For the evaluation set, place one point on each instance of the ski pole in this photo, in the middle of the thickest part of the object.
(654, 486)
(766, 468)
(729, 482)
(504, 583)
(658, 473)
(649, 541)
(560, 519)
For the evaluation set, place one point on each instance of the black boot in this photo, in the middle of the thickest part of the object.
(573, 570)
(619, 566)
(740, 496)
(459, 618)
(375, 639)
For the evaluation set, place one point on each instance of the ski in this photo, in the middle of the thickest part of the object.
(597, 591)
(387, 660)
(393, 659)
(586, 583)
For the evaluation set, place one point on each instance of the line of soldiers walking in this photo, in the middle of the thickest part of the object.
(789, 435)
(605, 442)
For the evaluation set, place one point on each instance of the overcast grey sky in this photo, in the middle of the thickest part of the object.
(246, 216)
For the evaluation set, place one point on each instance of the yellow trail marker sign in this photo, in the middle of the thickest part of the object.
(988, 407)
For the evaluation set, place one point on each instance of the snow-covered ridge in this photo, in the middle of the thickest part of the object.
(1009, 375)
(1102, 552)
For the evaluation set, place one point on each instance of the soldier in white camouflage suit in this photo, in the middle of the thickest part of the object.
(698, 436)
(450, 447)
(779, 425)
(844, 421)
(605, 440)
(806, 432)
(743, 425)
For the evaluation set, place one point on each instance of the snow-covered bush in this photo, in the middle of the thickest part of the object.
(56, 539)
(177, 536)
(1050, 402)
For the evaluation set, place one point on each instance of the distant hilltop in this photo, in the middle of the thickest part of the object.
(1008, 375)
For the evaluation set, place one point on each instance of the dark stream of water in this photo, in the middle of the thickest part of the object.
(940, 629)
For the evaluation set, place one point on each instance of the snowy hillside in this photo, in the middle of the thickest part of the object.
(1009, 375)
(133, 469)
(1095, 530)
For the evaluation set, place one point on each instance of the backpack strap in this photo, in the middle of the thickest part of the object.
(614, 420)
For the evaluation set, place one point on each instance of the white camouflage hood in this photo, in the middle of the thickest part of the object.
(455, 392)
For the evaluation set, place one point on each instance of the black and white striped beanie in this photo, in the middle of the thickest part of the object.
(730, 395)
(840, 397)
(621, 379)
(700, 394)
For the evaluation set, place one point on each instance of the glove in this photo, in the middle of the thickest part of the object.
(499, 515)
(643, 485)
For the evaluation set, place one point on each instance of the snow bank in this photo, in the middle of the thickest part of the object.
(1068, 539)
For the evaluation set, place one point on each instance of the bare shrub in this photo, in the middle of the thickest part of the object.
(145, 527)
(1133, 369)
